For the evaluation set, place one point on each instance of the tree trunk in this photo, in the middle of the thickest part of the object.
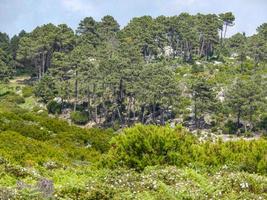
(143, 115)
(89, 103)
(250, 115)
(43, 63)
(96, 115)
(225, 31)
(162, 116)
(129, 110)
(195, 116)
(201, 48)
(76, 88)
(134, 109)
(221, 40)
(154, 112)
(119, 114)
(238, 118)
(38, 68)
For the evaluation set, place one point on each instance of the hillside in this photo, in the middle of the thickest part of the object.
(43, 157)
(163, 108)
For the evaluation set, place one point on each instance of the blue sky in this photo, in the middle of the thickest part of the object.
(16, 15)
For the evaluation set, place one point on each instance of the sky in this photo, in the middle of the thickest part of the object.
(16, 15)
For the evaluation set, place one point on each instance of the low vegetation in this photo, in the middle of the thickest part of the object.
(164, 108)
(43, 157)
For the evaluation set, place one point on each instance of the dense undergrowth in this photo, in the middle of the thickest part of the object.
(43, 157)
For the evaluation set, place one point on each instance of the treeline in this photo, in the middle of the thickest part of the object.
(107, 74)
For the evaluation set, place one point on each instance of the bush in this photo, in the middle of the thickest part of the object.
(141, 146)
(230, 128)
(263, 123)
(13, 98)
(27, 91)
(54, 107)
(80, 118)
(19, 149)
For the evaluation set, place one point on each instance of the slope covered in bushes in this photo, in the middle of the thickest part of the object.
(142, 146)
(44, 157)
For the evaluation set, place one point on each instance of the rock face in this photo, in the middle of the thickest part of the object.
(221, 95)
(57, 99)
(168, 51)
(46, 187)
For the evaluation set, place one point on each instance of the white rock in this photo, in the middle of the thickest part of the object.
(57, 99)
(217, 63)
(168, 50)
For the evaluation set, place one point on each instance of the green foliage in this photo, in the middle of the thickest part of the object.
(54, 107)
(143, 146)
(6, 66)
(46, 89)
(230, 127)
(11, 97)
(79, 117)
(155, 71)
(27, 91)
(263, 123)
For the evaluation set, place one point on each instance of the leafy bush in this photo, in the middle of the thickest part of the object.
(263, 123)
(230, 127)
(13, 98)
(141, 146)
(54, 107)
(27, 91)
(20, 149)
(79, 117)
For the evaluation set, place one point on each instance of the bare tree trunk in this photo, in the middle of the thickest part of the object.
(38, 68)
(118, 110)
(250, 115)
(202, 47)
(129, 110)
(195, 116)
(162, 116)
(225, 31)
(96, 114)
(221, 40)
(76, 88)
(89, 102)
(43, 63)
(134, 108)
(143, 115)
(153, 112)
(238, 118)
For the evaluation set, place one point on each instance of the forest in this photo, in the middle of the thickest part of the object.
(165, 107)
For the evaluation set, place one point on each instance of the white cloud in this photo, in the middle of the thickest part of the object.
(78, 6)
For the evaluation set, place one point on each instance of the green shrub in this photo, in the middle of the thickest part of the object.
(230, 127)
(141, 146)
(13, 98)
(80, 118)
(263, 123)
(27, 91)
(19, 149)
(54, 107)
